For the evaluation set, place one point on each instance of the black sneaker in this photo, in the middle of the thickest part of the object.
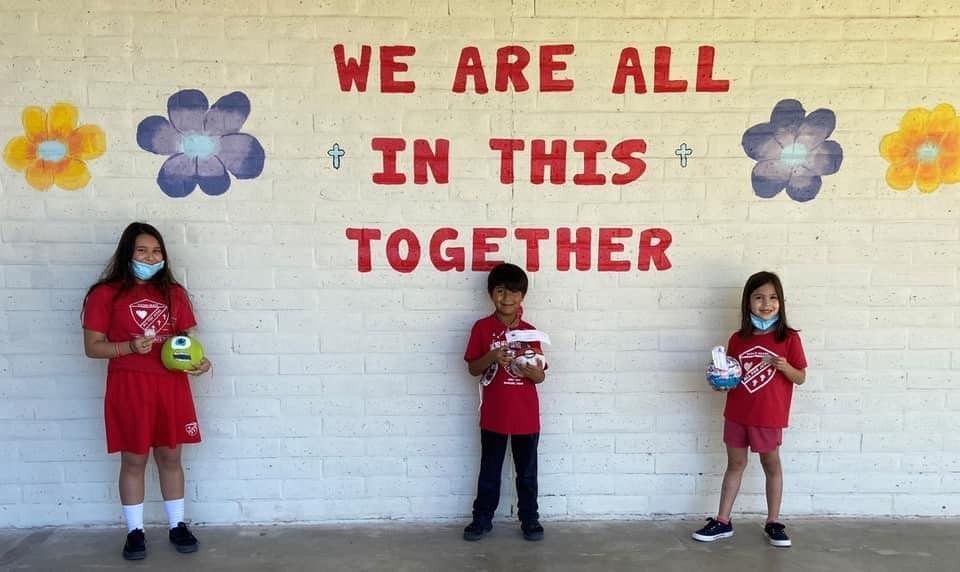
(476, 529)
(532, 531)
(183, 539)
(776, 534)
(714, 530)
(135, 548)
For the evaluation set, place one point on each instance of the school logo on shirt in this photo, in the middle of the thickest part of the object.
(757, 369)
(149, 314)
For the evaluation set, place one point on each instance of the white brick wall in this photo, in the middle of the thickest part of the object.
(341, 395)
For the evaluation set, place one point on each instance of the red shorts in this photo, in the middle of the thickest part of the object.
(144, 410)
(759, 439)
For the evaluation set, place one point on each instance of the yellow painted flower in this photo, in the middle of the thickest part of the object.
(926, 149)
(53, 149)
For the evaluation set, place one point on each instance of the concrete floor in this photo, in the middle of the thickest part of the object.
(828, 545)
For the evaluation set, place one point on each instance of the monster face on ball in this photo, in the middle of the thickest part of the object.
(181, 353)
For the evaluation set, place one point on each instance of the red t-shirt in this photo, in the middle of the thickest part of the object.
(131, 314)
(510, 405)
(763, 397)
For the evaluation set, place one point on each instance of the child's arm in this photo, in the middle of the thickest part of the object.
(794, 375)
(96, 345)
(480, 365)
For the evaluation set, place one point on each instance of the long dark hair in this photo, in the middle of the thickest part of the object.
(781, 329)
(118, 270)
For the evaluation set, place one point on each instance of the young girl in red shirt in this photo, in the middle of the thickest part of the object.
(771, 357)
(127, 315)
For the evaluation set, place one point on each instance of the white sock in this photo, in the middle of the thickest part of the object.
(133, 514)
(174, 511)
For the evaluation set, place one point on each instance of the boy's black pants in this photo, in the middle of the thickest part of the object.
(493, 448)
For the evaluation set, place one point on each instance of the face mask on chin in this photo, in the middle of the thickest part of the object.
(764, 324)
(144, 271)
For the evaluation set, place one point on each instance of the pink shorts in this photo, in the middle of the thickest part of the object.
(759, 439)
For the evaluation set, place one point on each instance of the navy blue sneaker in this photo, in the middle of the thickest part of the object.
(776, 535)
(532, 531)
(714, 530)
(135, 548)
(476, 529)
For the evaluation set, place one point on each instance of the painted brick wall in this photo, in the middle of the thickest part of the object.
(341, 395)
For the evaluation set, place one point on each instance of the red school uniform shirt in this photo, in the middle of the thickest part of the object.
(510, 405)
(131, 314)
(763, 397)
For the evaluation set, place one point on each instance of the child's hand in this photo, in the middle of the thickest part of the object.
(203, 367)
(778, 362)
(503, 356)
(531, 371)
(142, 344)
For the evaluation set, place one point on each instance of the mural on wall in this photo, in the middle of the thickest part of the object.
(53, 149)
(203, 144)
(925, 150)
(792, 151)
(557, 161)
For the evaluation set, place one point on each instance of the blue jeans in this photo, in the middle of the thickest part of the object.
(493, 447)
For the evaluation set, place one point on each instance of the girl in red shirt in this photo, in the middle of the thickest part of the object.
(127, 315)
(771, 357)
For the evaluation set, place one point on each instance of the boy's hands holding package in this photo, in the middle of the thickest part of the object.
(502, 356)
(531, 371)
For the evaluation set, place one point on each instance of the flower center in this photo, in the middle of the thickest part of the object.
(198, 145)
(927, 152)
(52, 151)
(793, 155)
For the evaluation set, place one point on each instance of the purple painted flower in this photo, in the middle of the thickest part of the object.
(203, 143)
(792, 151)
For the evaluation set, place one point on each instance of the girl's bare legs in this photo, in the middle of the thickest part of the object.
(774, 473)
(736, 464)
(132, 468)
(171, 472)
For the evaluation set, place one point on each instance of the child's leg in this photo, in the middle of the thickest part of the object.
(132, 468)
(524, 448)
(774, 473)
(736, 463)
(493, 447)
(170, 470)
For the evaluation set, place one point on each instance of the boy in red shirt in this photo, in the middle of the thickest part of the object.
(509, 406)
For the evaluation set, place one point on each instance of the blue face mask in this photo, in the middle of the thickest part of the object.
(764, 324)
(144, 271)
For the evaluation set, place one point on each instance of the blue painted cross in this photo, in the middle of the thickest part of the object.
(683, 152)
(336, 152)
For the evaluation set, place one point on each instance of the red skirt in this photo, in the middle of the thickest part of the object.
(144, 410)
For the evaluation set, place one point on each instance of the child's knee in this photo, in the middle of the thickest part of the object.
(770, 462)
(736, 465)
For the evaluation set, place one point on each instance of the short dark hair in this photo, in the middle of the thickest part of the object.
(510, 276)
(755, 281)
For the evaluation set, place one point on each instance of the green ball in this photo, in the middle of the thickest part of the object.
(181, 353)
